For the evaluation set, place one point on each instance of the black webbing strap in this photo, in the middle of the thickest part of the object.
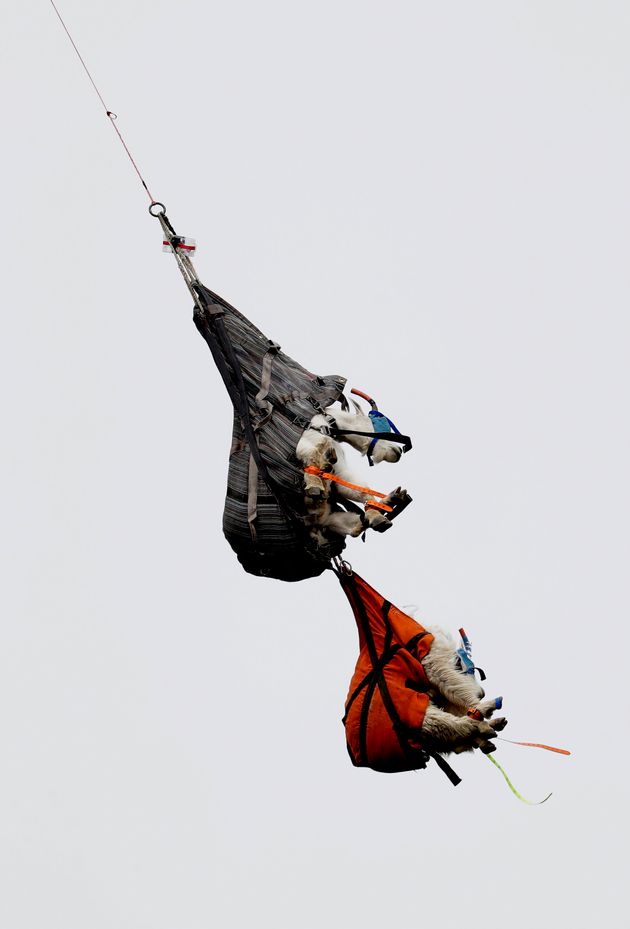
(263, 404)
(413, 641)
(403, 440)
(398, 508)
(212, 329)
(375, 669)
(402, 731)
(375, 677)
(265, 383)
(378, 679)
(444, 766)
(350, 506)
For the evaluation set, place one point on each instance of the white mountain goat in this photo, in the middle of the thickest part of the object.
(413, 693)
(455, 717)
(321, 453)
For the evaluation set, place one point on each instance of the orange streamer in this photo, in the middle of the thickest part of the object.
(549, 748)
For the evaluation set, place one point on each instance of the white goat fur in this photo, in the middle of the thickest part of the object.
(447, 727)
(317, 449)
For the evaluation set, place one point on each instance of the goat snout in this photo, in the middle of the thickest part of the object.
(387, 452)
(394, 453)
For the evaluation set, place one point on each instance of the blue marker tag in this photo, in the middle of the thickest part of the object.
(468, 665)
(380, 423)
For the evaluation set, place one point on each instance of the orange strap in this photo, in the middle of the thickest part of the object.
(549, 748)
(311, 469)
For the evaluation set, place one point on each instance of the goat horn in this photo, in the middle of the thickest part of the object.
(359, 393)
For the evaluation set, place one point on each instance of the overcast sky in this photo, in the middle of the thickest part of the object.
(431, 199)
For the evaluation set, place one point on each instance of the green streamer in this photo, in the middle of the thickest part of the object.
(513, 788)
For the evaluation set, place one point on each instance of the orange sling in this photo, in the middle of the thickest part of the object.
(388, 692)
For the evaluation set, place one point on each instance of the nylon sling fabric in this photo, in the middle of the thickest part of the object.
(387, 699)
(274, 399)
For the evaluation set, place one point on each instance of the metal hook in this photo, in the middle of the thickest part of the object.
(344, 567)
(160, 212)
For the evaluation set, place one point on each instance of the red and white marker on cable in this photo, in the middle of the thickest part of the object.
(188, 246)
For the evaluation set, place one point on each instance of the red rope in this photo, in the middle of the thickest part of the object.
(111, 116)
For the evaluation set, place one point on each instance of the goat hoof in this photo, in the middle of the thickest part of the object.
(382, 527)
(487, 748)
(499, 724)
(396, 496)
(486, 731)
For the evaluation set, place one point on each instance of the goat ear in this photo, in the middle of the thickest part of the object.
(358, 410)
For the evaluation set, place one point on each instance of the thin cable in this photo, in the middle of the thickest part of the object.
(111, 116)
